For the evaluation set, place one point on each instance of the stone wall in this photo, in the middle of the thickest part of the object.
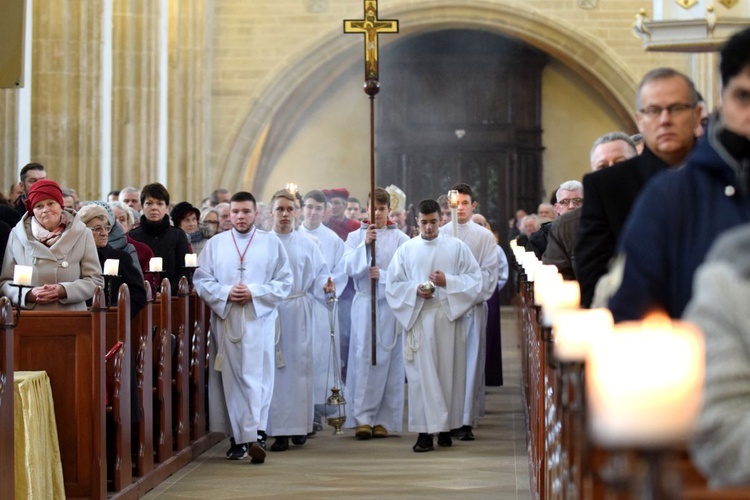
(245, 77)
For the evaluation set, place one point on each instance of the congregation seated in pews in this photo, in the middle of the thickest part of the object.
(129, 394)
(610, 415)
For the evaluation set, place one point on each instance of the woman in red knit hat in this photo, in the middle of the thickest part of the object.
(60, 249)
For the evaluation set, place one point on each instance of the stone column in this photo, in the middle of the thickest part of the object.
(188, 97)
(66, 92)
(8, 138)
(135, 92)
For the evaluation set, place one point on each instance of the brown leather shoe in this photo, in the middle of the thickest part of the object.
(379, 431)
(363, 432)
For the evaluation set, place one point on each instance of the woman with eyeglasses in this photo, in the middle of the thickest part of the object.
(60, 249)
(97, 221)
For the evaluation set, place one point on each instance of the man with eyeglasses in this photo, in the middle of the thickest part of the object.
(661, 248)
(569, 196)
(667, 116)
(607, 150)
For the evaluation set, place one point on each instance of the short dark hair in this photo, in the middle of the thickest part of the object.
(735, 56)
(660, 74)
(315, 195)
(115, 192)
(381, 196)
(282, 193)
(428, 207)
(30, 166)
(463, 188)
(156, 191)
(352, 199)
(243, 196)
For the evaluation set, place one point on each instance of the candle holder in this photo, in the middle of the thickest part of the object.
(155, 279)
(108, 280)
(17, 305)
(189, 272)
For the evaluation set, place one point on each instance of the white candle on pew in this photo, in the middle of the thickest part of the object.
(191, 260)
(22, 275)
(546, 281)
(566, 296)
(155, 265)
(644, 383)
(111, 267)
(575, 329)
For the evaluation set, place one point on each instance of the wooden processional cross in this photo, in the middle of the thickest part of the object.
(372, 27)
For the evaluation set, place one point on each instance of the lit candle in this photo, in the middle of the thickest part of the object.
(111, 267)
(453, 198)
(290, 186)
(22, 275)
(575, 330)
(191, 260)
(644, 383)
(547, 281)
(453, 201)
(567, 295)
(154, 265)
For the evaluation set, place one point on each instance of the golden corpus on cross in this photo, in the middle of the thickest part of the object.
(371, 27)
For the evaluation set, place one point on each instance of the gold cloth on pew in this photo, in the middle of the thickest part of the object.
(38, 466)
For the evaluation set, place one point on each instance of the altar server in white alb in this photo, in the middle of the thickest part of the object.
(484, 248)
(433, 280)
(313, 208)
(243, 275)
(375, 393)
(291, 413)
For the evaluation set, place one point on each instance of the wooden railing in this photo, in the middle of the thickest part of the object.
(563, 462)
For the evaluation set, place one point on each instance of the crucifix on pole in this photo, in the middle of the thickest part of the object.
(371, 27)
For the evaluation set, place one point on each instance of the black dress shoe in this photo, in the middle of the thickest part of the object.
(238, 452)
(234, 450)
(454, 432)
(465, 433)
(299, 440)
(424, 443)
(444, 439)
(281, 444)
(262, 439)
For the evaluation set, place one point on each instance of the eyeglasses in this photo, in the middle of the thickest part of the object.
(101, 229)
(577, 202)
(673, 109)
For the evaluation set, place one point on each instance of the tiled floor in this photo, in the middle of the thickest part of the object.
(495, 466)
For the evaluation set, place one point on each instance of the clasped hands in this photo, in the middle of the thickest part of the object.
(240, 294)
(46, 294)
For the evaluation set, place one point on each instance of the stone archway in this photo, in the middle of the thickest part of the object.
(273, 112)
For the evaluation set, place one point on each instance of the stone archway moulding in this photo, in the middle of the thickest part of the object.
(271, 108)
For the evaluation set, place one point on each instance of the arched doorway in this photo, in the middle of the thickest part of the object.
(273, 114)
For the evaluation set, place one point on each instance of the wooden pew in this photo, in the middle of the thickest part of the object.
(596, 476)
(118, 332)
(7, 449)
(69, 346)
(181, 369)
(162, 342)
(198, 379)
(143, 431)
